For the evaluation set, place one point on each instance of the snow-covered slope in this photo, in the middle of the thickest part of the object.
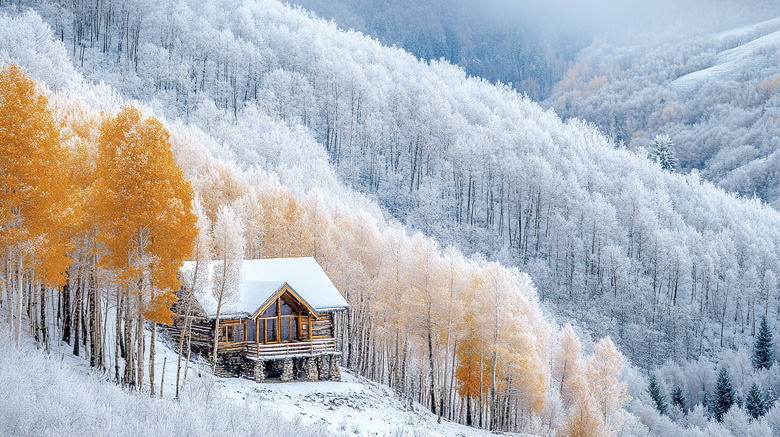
(752, 55)
(715, 95)
(481, 167)
(57, 394)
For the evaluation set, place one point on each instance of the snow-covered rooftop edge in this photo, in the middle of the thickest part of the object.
(262, 278)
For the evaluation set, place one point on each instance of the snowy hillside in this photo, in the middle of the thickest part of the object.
(293, 138)
(471, 164)
(63, 398)
(729, 65)
(715, 95)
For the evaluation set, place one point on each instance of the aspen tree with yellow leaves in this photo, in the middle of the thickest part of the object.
(567, 364)
(146, 225)
(33, 193)
(609, 392)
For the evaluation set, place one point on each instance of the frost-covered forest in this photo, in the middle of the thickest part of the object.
(678, 266)
(528, 44)
(714, 94)
(328, 143)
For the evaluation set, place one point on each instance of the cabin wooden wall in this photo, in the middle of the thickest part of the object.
(322, 327)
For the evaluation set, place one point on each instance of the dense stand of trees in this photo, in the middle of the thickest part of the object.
(715, 95)
(513, 44)
(609, 237)
(466, 338)
(95, 223)
(667, 264)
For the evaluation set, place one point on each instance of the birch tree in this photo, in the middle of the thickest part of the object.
(229, 245)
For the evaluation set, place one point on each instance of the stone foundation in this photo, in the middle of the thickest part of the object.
(321, 367)
(230, 365)
(287, 370)
(335, 373)
(259, 371)
(311, 372)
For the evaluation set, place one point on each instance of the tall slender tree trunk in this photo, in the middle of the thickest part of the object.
(129, 343)
(162, 377)
(77, 317)
(8, 289)
(44, 330)
(216, 335)
(65, 307)
(189, 351)
(140, 349)
(181, 344)
(20, 299)
(117, 330)
(431, 370)
(152, 350)
(469, 419)
(93, 326)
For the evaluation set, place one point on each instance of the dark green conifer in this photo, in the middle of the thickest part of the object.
(754, 402)
(678, 398)
(655, 393)
(762, 349)
(724, 395)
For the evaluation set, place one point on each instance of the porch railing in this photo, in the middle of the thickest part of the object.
(296, 348)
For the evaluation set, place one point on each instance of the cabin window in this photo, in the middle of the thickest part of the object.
(226, 333)
(286, 310)
(251, 334)
(270, 331)
(270, 311)
(281, 322)
(239, 333)
(285, 325)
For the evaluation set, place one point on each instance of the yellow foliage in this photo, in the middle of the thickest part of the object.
(583, 419)
(33, 189)
(605, 367)
(144, 207)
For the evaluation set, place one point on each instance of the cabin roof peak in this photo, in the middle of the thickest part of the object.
(264, 278)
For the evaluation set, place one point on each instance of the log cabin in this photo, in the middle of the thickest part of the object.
(278, 327)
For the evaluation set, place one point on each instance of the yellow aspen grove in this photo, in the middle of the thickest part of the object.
(147, 224)
(583, 419)
(33, 191)
(609, 392)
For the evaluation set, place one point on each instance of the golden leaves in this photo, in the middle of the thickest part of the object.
(33, 188)
(144, 207)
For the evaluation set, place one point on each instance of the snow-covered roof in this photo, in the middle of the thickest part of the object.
(262, 278)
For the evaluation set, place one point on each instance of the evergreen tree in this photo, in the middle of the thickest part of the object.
(655, 392)
(724, 395)
(663, 152)
(678, 398)
(762, 349)
(754, 402)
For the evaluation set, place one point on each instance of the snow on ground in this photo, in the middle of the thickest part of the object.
(354, 406)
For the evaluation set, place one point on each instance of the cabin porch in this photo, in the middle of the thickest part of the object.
(319, 365)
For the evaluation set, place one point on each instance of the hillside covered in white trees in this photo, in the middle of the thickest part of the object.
(445, 208)
(714, 95)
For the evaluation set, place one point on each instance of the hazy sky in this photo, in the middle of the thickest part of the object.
(627, 18)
